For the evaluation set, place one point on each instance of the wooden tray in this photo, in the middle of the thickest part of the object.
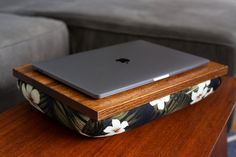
(99, 109)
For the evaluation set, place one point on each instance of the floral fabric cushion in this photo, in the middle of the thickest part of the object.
(123, 121)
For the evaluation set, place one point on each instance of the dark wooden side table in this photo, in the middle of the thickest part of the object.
(196, 131)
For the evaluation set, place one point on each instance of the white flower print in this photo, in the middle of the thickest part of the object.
(160, 102)
(204, 84)
(32, 95)
(116, 128)
(202, 92)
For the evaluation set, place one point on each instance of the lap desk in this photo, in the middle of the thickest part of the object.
(120, 112)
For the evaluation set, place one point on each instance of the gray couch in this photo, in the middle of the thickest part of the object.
(26, 40)
(202, 27)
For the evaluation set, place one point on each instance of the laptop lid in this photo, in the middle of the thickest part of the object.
(106, 71)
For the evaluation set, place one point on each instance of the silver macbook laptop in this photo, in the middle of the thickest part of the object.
(106, 71)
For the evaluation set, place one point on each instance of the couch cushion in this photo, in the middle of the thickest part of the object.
(201, 20)
(125, 121)
(208, 23)
(26, 40)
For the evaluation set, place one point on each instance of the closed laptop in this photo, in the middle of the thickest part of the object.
(106, 71)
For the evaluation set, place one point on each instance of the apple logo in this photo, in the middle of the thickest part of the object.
(123, 60)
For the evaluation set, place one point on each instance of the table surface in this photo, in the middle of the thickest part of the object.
(99, 109)
(193, 131)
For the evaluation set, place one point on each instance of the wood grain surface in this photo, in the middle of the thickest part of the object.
(196, 131)
(99, 109)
